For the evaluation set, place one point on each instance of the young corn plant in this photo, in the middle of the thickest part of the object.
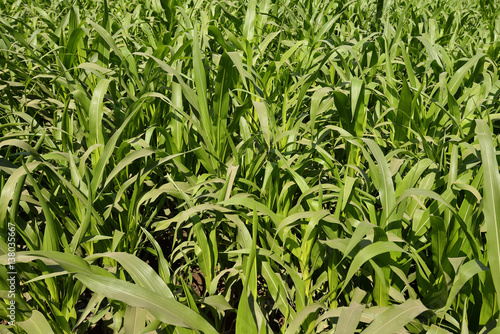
(250, 166)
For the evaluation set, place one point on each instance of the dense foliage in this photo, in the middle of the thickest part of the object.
(251, 166)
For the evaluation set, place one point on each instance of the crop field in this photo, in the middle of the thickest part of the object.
(243, 166)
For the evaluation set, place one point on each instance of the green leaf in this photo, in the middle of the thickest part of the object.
(165, 309)
(277, 289)
(9, 188)
(98, 174)
(404, 113)
(438, 240)
(262, 114)
(127, 160)
(491, 200)
(387, 196)
(135, 319)
(245, 318)
(201, 89)
(141, 273)
(95, 117)
(223, 85)
(203, 250)
(294, 326)
(249, 23)
(36, 324)
(218, 302)
(358, 111)
(395, 318)
(349, 318)
(250, 203)
(437, 330)
(465, 273)
(368, 253)
(457, 79)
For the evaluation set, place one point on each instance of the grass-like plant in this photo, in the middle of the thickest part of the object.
(251, 166)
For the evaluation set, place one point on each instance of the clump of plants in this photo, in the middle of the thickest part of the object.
(250, 166)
